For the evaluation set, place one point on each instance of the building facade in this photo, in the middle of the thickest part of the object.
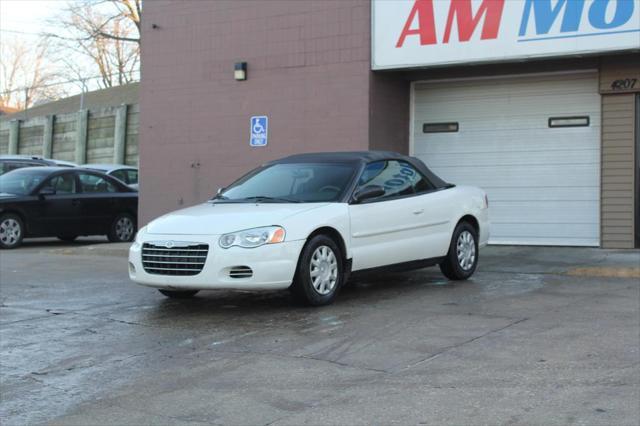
(536, 101)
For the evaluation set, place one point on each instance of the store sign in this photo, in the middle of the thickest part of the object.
(419, 33)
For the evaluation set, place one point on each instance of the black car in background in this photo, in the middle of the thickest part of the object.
(65, 203)
(12, 162)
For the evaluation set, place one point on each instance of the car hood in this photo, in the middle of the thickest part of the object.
(7, 197)
(221, 218)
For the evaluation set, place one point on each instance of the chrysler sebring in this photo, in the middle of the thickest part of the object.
(308, 221)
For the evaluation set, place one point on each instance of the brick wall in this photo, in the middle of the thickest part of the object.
(308, 70)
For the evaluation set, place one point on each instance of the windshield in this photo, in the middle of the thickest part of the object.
(22, 181)
(294, 183)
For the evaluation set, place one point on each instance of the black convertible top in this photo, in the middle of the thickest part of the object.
(362, 158)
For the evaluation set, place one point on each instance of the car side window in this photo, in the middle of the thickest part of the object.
(94, 184)
(398, 178)
(133, 176)
(7, 166)
(120, 175)
(63, 184)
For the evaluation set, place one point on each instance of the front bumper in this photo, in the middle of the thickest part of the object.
(273, 265)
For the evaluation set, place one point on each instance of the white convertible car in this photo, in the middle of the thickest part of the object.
(306, 222)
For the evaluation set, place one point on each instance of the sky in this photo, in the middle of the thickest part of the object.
(26, 16)
(25, 20)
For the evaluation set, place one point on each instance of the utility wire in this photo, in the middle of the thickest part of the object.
(76, 80)
(19, 32)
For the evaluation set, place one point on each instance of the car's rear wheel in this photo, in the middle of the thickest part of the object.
(179, 294)
(11, 231)
(67, 238)
(319, 274)
(462, 258)
(123, 228)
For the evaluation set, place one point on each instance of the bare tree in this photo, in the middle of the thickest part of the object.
(107, 32)
(26, 74)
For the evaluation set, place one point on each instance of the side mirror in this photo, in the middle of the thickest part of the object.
(47, 190)
(368, 192)
(220, 191)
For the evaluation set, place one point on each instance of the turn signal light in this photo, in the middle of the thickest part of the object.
(278, 236)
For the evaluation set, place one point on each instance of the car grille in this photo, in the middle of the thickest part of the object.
(180, 259)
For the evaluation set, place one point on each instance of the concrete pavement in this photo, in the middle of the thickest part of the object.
(538, 336)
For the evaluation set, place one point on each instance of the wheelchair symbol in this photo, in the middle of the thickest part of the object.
(258, 127)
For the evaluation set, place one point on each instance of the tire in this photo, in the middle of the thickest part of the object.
(123, 229)
(320, 272)
(179, 294)
(462, 259)
(11, 231)
(67, 238)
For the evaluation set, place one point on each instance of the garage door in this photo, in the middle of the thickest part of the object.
(533, 143)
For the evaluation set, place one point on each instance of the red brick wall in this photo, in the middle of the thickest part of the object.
(308, 69)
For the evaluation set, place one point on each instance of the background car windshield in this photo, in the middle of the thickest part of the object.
(21, 181)
(300, 182)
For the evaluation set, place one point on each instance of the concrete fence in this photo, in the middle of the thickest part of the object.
(103, 135)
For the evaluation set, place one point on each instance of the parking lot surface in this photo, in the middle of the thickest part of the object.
(538, 336)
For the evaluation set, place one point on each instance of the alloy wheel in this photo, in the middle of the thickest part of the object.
(10, 231)
(124, 228)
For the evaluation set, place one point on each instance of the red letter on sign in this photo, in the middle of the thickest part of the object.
(426, 23)
(468, 23)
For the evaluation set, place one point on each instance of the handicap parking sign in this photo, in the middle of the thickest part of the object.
(259, 130)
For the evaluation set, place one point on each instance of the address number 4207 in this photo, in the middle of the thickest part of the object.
(624, 84)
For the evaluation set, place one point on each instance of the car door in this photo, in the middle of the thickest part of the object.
(433, 216)
(388, 229)
(98, 201)
(58, 207)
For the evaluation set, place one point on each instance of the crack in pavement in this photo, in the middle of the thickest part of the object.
(449, 348)
(42, 382)
(304, 357)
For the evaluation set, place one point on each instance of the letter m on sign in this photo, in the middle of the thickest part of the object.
(461, 11)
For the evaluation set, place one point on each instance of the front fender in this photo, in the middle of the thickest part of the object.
(334, 215)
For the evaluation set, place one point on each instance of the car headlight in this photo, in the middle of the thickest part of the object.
(256, 237)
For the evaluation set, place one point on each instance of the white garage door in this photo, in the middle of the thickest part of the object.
(542, 177)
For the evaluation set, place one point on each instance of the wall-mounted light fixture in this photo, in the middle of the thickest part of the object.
(240, 71)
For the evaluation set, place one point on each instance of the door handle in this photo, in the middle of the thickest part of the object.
(416, 212)
(75, 202)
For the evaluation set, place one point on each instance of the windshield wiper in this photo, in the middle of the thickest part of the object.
(260, 198)
(219, 197)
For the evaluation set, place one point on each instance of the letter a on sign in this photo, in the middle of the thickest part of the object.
(426, 23)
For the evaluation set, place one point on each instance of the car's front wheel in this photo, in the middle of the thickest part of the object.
(462, 258)
(319, 274)
(179, 294)
(123, 229)
(11, 231)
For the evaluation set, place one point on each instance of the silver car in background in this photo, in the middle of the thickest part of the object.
(122, 172)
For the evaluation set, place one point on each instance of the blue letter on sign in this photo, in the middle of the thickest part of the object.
(545, 15)
(259, 130)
